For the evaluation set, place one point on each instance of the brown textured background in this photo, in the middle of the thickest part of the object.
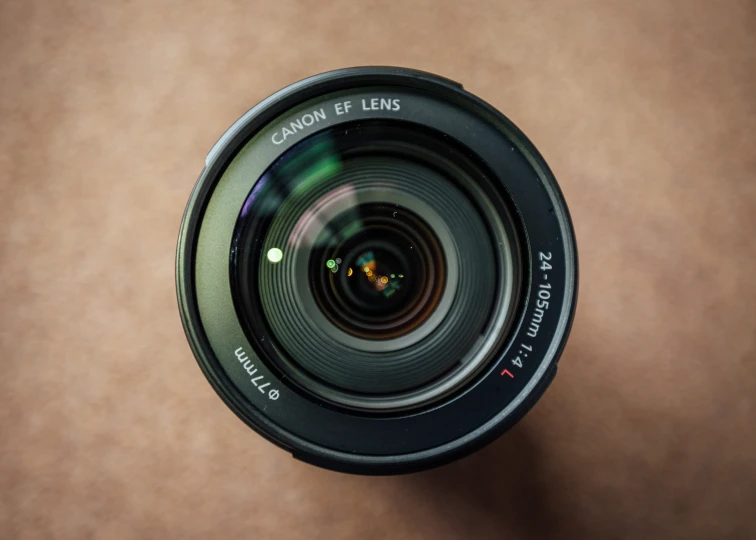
(645, 110)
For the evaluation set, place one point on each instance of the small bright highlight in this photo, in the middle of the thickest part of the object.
(275, 255)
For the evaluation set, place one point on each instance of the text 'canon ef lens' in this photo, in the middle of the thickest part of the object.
(377, 271)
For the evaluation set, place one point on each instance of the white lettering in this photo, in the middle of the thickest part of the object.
(343, 107)
(306, 120)
(248, 368)
(381, 104)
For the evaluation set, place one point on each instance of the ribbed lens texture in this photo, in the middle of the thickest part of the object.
(357, 361)
(373, 266)
(377, 272)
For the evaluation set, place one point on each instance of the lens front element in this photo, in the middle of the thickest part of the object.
(395, 263)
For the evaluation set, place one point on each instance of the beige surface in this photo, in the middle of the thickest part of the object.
(645, 110)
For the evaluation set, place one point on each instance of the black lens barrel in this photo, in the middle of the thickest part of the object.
(289, 259)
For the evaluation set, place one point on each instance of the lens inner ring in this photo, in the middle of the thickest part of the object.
(447, 339)
(376, 164)
(311, 227)
(409, 276)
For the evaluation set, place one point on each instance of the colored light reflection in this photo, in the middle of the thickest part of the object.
(275, 255)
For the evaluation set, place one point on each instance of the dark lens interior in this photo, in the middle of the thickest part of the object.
(376, 261)
(379, 271)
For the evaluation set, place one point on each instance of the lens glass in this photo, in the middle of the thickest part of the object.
(378, 271)
(375, 265)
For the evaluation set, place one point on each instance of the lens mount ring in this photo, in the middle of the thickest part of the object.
(236, 355)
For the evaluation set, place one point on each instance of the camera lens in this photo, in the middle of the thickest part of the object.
(376, 270)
